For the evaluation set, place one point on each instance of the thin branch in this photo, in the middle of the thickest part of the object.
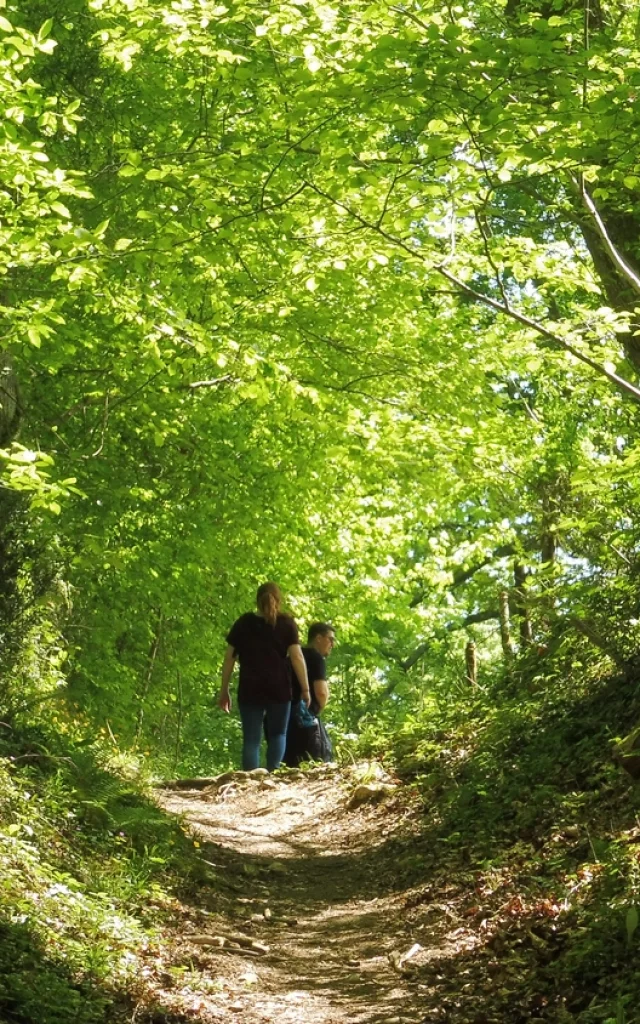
(136, 391)
(387, 198)
(531, 413)
(153, 653)
(349, 389)
(585, 44)
(292, 146)
(105, 421)
(211, 383)
(618, 552)
(603, 643)
(43, 757)
(412, 17)
(490, 260)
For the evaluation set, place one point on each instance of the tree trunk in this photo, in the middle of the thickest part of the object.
(153, 652)
(505, 629)
(9, 400)
(471, 661)
(179, 723)
(520, 578)
(548, 546)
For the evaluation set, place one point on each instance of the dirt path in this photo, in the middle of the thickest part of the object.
(311, 910)
(322, 886)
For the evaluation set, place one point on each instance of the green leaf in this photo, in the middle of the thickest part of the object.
(61, 209)
(45, 29)
(129, 172)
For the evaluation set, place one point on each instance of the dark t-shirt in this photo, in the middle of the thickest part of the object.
(265, 670)
(316, 669)
(304, 744)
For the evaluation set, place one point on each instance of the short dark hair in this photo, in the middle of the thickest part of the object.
(318, 629)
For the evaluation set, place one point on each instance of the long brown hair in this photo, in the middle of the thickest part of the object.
(269, 600)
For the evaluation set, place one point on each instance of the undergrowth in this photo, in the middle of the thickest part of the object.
(518, 782)
(88, 867)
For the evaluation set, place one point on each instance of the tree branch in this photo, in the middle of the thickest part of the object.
(461, 576)
(617, 258)
(470, 620)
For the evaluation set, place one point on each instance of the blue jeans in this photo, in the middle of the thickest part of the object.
(252, 718)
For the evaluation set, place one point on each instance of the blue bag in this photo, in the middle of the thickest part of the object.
(302, 716)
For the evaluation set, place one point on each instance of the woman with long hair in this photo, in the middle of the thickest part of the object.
(266, 644)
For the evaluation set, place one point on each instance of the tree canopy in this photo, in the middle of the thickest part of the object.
(343, 296)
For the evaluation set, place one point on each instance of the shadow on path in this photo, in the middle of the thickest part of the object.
(334, 883)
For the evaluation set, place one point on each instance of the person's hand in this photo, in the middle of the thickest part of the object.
(306, 697)
(224, 701)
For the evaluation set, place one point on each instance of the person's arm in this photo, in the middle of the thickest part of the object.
(228, 665)
(300, 669)
(321, 692)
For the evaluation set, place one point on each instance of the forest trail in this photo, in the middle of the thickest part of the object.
(321, 887)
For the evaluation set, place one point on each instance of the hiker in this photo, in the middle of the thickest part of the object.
(311, 743)
(267, 645)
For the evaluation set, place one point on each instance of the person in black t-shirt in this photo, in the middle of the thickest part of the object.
(312, 743)
(266, 643)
